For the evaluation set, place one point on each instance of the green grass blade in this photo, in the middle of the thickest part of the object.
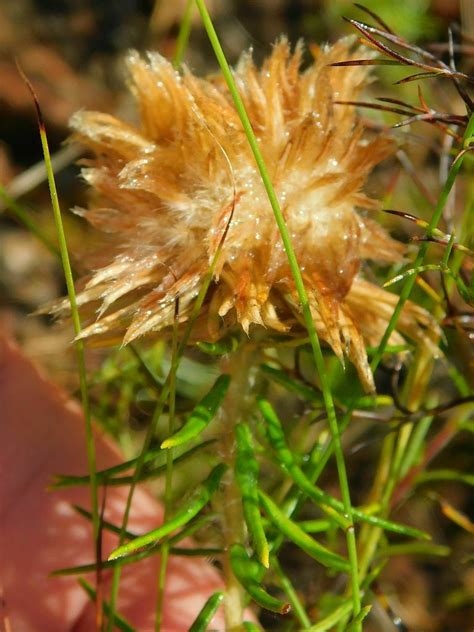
(249, 572)
(290, 592)
(203, 413)
(187, 532)
(246, 475)
(432, 476)
(359, 618)
(151, 377)
(187, 511)
(294, 533)
(324, 500)
(315, 526)
(292, 385)
(416, 446)
(79, 345)
(220, 348)
(184, 33)
(105, 524)
(168, 495)
(107, 477)
(207, 552)
(425, 549)
(333, 618)
(209, 609)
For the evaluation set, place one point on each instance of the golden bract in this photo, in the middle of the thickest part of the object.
(165, 192)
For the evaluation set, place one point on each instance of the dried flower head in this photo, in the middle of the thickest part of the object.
(166, 192)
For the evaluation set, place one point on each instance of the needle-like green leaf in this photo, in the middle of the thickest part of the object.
(246, 474)
(249, 573)
(202, 414)
(294, 533)
(198, 500)
(324, 500)
(208, 611)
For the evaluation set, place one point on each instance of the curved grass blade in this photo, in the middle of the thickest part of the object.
(315, 526)
(374, 16)
(178, 551)
(287, 461)
(248, 572)
(209, 609)
(431, 476)
(105, 524)
(415, 548)
(151, 377)
(246, 474)
(333, 618)
(305, 542)
(340, 613)
(359, 618)
(223, 347)
(292, 385)
(198, 501)
(106, 477)
(201, 416)
(187, 532)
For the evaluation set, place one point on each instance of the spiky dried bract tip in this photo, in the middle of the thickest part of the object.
(166, 190)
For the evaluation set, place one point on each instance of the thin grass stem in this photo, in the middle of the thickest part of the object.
(183, 35)
(296, 605)
(168, 496)
(76, 321)
(302, 295)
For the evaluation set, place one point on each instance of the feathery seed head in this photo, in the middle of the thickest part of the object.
(167, 192)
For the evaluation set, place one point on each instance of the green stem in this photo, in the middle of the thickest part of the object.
(303, 298)
(169, 476)
(183, 35)
(235, 407)
(297, 606)
(79, 344)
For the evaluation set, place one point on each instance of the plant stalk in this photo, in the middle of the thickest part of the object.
(237, 404)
